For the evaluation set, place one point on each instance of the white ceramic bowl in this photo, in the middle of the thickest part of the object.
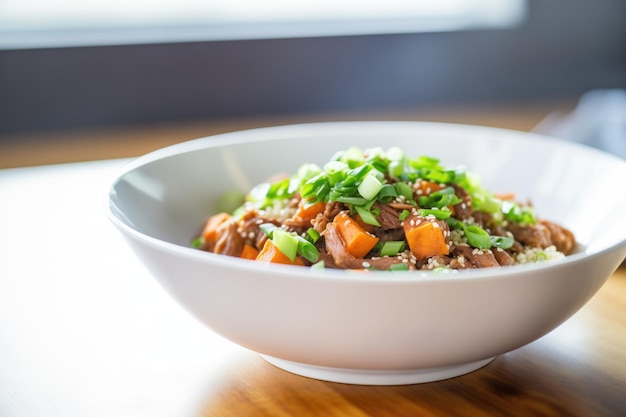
(376, 327)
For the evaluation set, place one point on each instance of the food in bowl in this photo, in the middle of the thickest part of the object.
(377, 327)
(381, 209)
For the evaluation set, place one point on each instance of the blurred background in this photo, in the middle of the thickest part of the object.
(82, 80)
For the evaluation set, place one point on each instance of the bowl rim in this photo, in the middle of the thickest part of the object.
(316, 128)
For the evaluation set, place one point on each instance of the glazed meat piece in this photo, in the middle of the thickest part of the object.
(561, 237)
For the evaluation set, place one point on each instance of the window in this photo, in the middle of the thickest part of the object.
(61, 23)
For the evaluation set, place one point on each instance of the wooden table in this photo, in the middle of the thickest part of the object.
(86, 332)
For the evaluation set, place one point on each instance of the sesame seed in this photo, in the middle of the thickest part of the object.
(365, 264)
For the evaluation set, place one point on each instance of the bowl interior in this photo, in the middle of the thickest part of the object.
(167, 194)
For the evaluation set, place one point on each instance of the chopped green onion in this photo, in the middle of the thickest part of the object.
(353, 157)
(336, 171)
(197, 242)
(307, 171)
(387, 193)
(286, 243)
(400, 266)
(268, 229)
(477, 237)
(366, 216)
(359, 173)
(357, 201)
(441, 214)
(318, 265)
(502, 242)
(518, 214)
(279, 189)
(369, 187)
(404, 214)
(392, 248)
(404, 189)
(395, 154)
(306, 249)
(442, 198)
(312, 235)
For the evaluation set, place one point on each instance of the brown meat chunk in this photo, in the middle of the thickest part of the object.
(462, 210)
(561, 238)
(229, 241)
(503, 257)
(536, 236)
(480, 258)
(388, 217)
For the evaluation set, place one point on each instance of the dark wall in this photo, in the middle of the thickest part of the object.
(565, 48)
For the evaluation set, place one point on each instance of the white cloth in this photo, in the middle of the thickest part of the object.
(599, 120)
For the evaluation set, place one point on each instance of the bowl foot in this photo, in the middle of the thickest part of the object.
(376, 377)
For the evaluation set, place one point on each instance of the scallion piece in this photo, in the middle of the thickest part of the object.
(312, 235)
(502, 242)
(286, 243)
(441, 214)
(357, 201)
(518, 214)
(387, 193)
(392, 248)
(318, 265)
(404, 214)
(477, 237)
(366, 215)
(268, 229)
(404, 189)
(441, 198)
(400, 266)
(369, 187)
(306, 249)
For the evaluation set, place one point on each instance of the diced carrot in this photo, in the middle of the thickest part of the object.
(425, 238)
(249, 252)
(423, 187)
(270, 253)
(210, 228)
(307, 212)
(358, 242)
(506, 196)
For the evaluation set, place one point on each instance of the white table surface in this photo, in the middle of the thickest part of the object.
(85, 331)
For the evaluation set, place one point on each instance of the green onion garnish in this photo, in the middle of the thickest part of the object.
(366, 215)
(502, 242)
(306, 249)
(392, 248)
(369, 187)
(477, 237)
(441, 214)
(404, 189)
(268, 229)
(287, 243)
(357, 201)
(318, 265)
(442, 198)
(400, 266)
(387, 193)
(312, 235)
(516, 213)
